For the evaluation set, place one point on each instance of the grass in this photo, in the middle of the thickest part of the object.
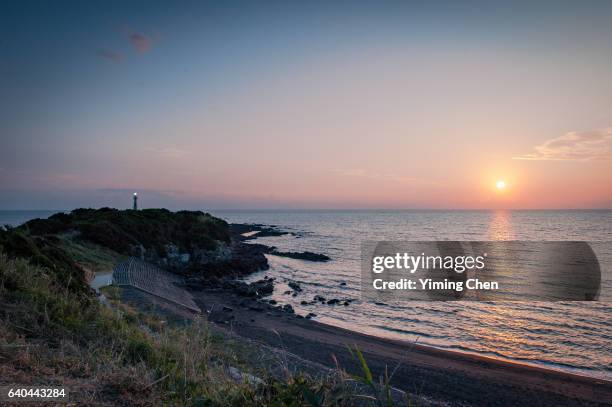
(92, 256)
(122, 356)
(379, 393)
(54, 331)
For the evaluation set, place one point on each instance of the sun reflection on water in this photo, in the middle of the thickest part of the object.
(500, 226)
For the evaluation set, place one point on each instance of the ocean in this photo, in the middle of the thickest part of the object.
(569, 336)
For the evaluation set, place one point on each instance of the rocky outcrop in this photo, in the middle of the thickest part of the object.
(240, 229)
(245, 232)
(310, 256)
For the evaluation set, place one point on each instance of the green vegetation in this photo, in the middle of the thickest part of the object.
(49, 334)
(89, 255)
(122, 231)
(46, 251)
(379, 393)
(84, 240)
(54, 331)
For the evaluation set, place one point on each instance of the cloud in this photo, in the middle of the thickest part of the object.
(574, 146)
(140, 43)
(110, 55)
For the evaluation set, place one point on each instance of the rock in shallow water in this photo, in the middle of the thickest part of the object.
(310, 256)
(295, 286)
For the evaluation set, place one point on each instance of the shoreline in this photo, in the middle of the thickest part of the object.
(447, 375)
(380, 333)
(249, 233)
(541, 365)
(503, 380)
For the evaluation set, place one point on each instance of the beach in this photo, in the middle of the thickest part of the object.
(446, 376)
(560, 335)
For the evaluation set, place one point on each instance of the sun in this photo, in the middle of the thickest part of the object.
(501, 184)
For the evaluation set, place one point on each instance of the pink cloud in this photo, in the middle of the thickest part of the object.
(141, 43)
(574, 146)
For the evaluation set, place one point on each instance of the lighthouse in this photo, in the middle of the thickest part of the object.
(135, 201)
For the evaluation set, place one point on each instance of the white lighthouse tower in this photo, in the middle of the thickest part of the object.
(135, 201)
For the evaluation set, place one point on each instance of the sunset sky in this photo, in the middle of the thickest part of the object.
(305, 104)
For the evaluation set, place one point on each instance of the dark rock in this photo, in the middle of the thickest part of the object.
(238, 229)
(346, 303)
(295, 286)
(272, 302)
(227, 309)
(311, 315)
(304, 303)
(310, 256)
(287, 292)
(257, 289)
(288, 308)
(319, 298)
(333, 301)
(343, 283)
(242, 288)
(241, 259)
(263, 287)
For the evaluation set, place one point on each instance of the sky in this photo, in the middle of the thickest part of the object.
(265, 104)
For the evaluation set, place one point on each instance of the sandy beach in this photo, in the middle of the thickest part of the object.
(452, 377)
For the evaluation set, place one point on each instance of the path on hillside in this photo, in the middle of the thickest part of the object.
(152, 280)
